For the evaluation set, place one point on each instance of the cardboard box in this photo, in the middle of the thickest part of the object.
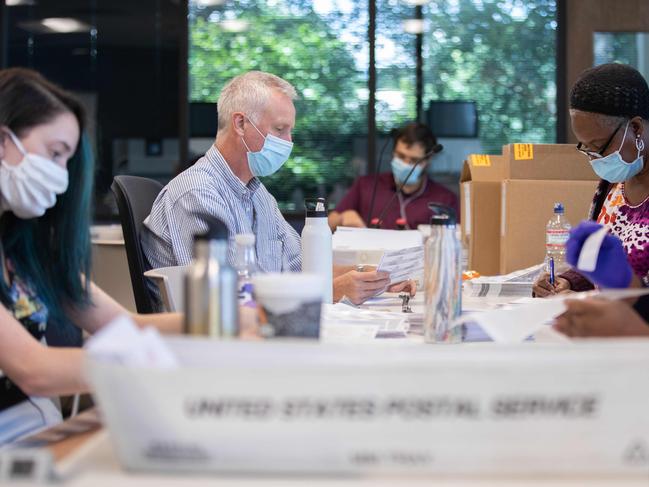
(480, 211)
(526, 207)
(546, 161)
(507, 200)
(537, 176)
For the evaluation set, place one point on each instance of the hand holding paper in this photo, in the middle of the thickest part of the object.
(515, 324)
(600, 318)
(601, 257)
(402, 264)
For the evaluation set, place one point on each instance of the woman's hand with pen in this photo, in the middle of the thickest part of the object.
(542, 287)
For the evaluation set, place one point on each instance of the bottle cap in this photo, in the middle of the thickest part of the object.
(558, 208)
(375, 223)
(315, 207)
(244, 239)
(442, 214)
(401, 223)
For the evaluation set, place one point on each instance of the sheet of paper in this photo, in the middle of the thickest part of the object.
(514, 324)
(522, 276)
(590, 250)
(375, 239)
(384, 323)
(121, 341)
(498, 289)
(343, 332)
(403, 264)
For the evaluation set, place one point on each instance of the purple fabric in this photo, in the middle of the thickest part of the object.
(414, 206)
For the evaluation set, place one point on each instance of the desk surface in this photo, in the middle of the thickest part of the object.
(96, 464)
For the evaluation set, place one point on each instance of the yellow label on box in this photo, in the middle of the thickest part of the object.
(523, 152)
(480, 160)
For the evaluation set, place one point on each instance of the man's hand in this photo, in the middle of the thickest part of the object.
(404, 286)
(360, 286)
(600, 318)
(351, 218)
(542, 287)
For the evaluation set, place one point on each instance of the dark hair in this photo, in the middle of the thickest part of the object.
(52, 251)
(611, 89)
(415, 133)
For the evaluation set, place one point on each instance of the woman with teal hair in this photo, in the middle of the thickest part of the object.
(46, 174)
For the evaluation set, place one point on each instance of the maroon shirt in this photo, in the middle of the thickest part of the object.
(413, 207)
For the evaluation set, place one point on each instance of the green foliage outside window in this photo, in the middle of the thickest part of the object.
(499, 53)
(502, 55)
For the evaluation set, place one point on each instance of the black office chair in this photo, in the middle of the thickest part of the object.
(135, 197)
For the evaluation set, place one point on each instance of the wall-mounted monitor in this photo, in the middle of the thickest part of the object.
(453, 118)
(203, 119)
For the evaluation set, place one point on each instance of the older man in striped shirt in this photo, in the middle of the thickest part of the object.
(255, 119)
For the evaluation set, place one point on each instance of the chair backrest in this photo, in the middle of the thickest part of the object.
(170, 281)
(135, 197)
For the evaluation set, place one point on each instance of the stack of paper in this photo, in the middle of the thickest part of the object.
(343, 323)
(375, 239)
(403, 264)
(517, 283)
(353, 246)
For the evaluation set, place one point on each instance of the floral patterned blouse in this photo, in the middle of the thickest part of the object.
(630, 223)
(32, 313)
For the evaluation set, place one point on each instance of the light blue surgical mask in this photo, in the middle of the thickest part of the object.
(614, 169)
(400, 170)
(271, 157)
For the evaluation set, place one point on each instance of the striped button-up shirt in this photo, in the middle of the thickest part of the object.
(210, 187)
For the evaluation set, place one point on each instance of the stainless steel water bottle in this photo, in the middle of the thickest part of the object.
(211, 307)
(443, 278)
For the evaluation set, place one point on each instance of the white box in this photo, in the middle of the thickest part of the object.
(314, 408)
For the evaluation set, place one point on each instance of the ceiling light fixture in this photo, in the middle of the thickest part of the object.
(208, 3)
(413, 26)
(64, 25)
(19, 3)
(234, 25)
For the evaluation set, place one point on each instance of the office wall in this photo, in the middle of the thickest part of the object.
(582, 19)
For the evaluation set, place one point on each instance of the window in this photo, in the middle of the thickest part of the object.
(318, 46)
(621, 47)
(122, 58)
(500, 54)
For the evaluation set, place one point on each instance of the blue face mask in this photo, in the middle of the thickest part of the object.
(614, 169)
(400, 170)
(271, 157)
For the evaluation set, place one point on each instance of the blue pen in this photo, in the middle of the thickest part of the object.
(552, 271)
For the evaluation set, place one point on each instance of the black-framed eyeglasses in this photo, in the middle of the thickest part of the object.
(599, 153)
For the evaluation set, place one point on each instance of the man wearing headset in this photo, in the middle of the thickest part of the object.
(398, 198)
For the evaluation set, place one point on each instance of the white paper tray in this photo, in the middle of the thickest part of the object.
(302, 407)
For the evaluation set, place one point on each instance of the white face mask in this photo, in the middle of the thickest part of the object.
(29, 188)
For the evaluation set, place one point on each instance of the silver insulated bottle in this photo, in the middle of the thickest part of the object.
(443, 278)
(211, 306)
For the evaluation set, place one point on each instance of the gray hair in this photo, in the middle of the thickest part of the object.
(249, 93)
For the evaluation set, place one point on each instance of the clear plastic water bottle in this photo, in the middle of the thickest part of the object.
(557, 232)
(246, 266)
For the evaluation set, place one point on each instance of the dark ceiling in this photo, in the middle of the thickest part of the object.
(133, 23)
